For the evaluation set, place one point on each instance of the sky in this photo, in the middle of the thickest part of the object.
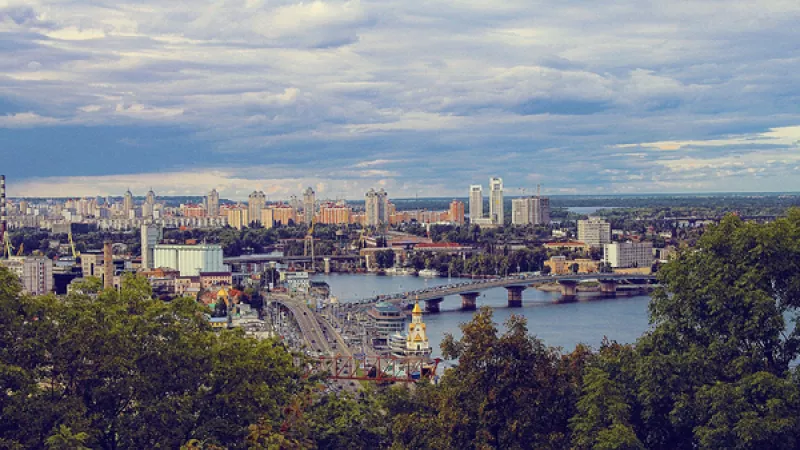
(420, 98)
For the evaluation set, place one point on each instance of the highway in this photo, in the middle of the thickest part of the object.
(309, 325)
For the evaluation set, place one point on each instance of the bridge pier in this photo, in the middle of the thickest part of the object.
(468, 302)
(432, 305)
(608, 287)
(327, 265)
(569, 289)
(515, 296)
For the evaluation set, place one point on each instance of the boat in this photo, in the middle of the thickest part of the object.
(399, 271)
(429, 273)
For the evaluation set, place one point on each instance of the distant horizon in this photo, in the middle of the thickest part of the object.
(442, 198)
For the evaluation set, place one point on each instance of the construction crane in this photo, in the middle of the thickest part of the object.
(20, 249)
(75, 253)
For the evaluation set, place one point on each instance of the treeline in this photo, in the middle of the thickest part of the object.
(120, 370)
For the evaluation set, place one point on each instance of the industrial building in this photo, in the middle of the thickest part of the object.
(190, 260)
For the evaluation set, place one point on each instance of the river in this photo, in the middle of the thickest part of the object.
(564, 325)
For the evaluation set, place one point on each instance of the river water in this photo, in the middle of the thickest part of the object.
(564, 325)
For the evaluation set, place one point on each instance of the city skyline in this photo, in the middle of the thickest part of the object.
(343, 96)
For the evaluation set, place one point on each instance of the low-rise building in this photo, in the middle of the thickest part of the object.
(384, 320)
(208, 279)
(560, 265)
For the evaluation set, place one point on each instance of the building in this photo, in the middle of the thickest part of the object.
(475, 202)
(417, 340)
(376, 205)
(284, 214)
(238, 217)
(92, 263)
(297, 281)
(542, 211)
(384, 320)
(309, 205)
(190, 260)
(594, 231)
(208, 279)
(255, 204)
(267, 218)
(628, 254)
(212, 203)
(522, 211)
(530, 211)
(560, 265)
(35, 273)
(456, 213)
(334, 213)
(128, 210)
(496, 212)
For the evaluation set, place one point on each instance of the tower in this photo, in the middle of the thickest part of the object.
(475, 202)
(127, 204)
(212, 203)
(376, 205)
(496, 212)
(417, 340)
(151, 235)
(3, 215)
(108, 266)
(309, 205)
(255, 204)
(149, 205)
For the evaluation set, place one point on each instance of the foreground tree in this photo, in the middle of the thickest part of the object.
(506, 391)
(121, 370)
(714, 371)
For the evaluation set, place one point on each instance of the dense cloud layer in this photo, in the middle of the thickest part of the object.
(418, 97)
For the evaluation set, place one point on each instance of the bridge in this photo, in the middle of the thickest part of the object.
(469, 291)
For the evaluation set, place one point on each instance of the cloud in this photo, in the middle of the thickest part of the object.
(346, 94)
(26, 120)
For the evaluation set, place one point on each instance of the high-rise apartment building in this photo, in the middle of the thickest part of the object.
(334, 213)
(456, 214)
(376, 205)
(522, 211)
(128, 210)
(475, 202)
(255, 204)
(530, 211)
(284, 214)
(542, 211)
(496, 212)
(238, 217)
(151, 236)
(309, 205)
(267, 218)
(212, 203)
(594, 231)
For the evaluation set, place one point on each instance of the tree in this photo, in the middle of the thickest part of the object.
(121, 370)
(714, 370)
(506, 391)
(384, 258)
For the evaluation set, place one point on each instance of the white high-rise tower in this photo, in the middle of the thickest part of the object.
(496, 200)
(475, 202)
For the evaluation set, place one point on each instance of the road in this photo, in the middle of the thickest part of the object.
(516, 280)
(309, 326)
